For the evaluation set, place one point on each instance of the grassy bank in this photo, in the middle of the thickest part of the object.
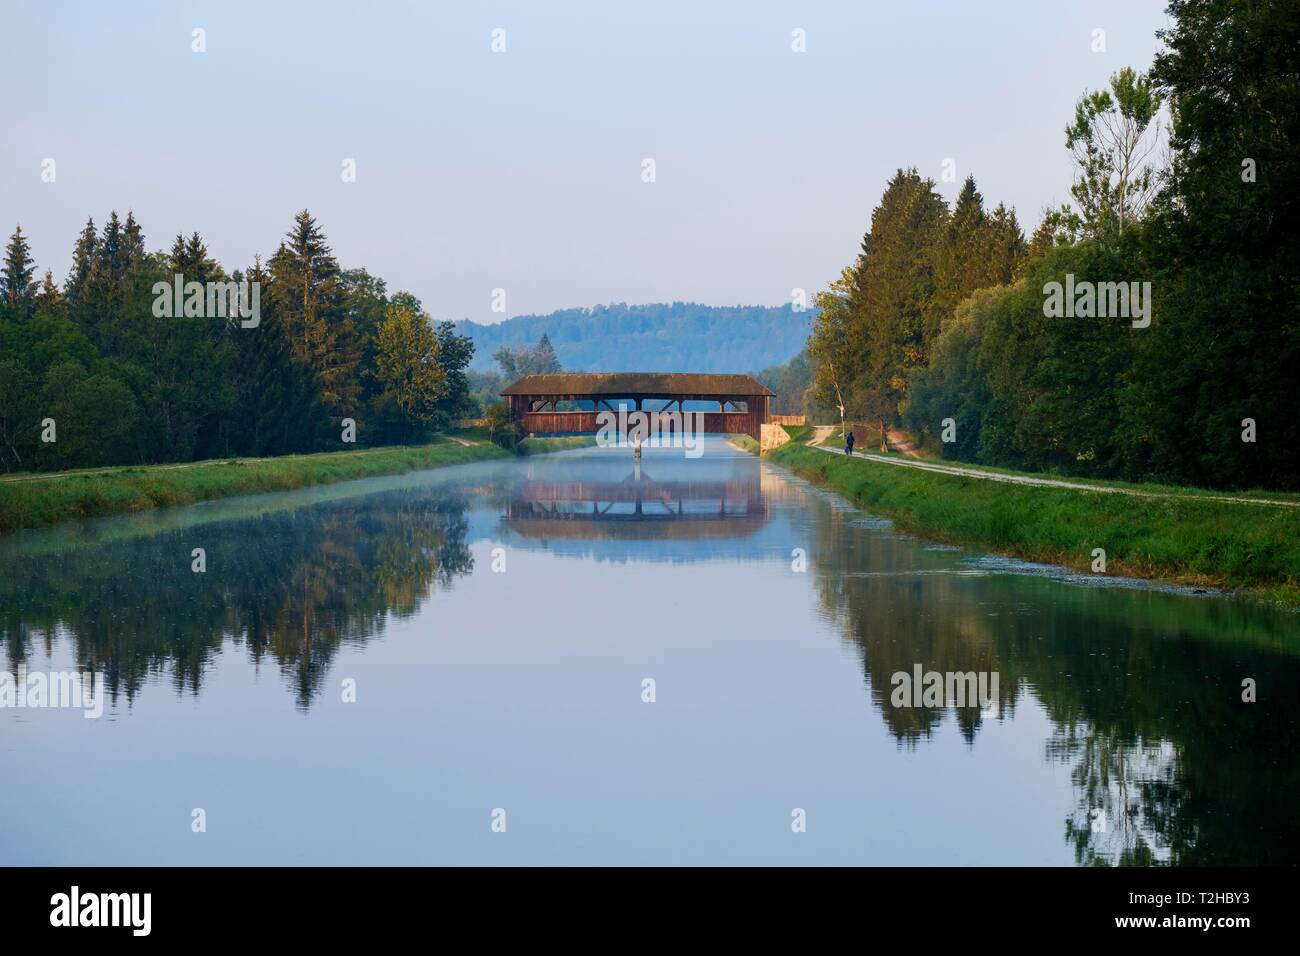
(1183, 540)
(744, 443)
(32, 501)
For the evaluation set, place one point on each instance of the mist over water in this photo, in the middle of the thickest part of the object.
(499, 621)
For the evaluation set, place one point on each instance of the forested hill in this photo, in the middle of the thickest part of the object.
(676, 337)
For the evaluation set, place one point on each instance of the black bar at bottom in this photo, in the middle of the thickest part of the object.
(372, 904)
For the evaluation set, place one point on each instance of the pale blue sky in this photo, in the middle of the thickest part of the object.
(522, 170)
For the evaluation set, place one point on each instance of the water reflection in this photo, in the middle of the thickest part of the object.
(663, 509)
(1143, 691)
(291, 586)
(638, 507)
(1134, 696)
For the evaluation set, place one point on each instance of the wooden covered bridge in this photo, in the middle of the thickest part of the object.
(741, 400)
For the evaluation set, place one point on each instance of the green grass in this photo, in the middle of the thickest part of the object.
(471, 434)
(744, 443)
(869, 440)
(39, 500)
(798, 432)
(1186, 541)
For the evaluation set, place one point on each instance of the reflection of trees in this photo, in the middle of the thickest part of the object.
(292, 586)
(1110, 823)
(1143, 690)
(899, 608)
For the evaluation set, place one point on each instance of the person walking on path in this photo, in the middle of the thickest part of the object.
(848, 442)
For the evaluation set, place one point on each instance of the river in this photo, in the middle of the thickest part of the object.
(570, 659)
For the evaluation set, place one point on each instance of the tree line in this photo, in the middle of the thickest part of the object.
(1148, 330)
(91, 375)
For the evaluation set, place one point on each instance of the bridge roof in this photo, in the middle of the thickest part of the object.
(637, 383)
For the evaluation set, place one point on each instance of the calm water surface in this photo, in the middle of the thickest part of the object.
(498, 622)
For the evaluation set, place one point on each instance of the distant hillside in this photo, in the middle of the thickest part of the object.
(681, 337)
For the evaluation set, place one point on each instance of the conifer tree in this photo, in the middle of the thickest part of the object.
(1005, 250)
(17, 288)
(111, 260)
(83, 260)
(189, 258)
(545, 360)
(49, 300)
(307, 289)
(132, 243)
(278, 401)
(892, 297)
(959, 257)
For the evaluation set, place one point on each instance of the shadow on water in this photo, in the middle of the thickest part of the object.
(1143, 690)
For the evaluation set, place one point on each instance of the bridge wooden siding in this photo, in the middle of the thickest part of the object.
(531, 395)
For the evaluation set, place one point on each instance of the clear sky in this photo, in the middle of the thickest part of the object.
(522, 170)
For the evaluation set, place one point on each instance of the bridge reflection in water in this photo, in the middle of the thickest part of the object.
(638, 507)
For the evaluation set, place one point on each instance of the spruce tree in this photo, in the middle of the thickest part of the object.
(306, 288)
(97, 304)
(110, 259)
(189, 258)
(1005, 249)
(959, 257)
(893, 289)
(545, 360)
(83, 260)
(49, 300)
(17, 288)
(278, 394)
(132, 242)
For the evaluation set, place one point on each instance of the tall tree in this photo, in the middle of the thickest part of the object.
(278, 408)
(892, 297)
(1005, 248)
(454, 355)
(112, 258)
(98, 304)
(1224, 343)
(16, 284)
(132, 242)
(365, 303)
(545, 361)
(49, 300)
(306, 287)
(960, 257)
(829, 344)
(1113, 137)
(83, 260)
